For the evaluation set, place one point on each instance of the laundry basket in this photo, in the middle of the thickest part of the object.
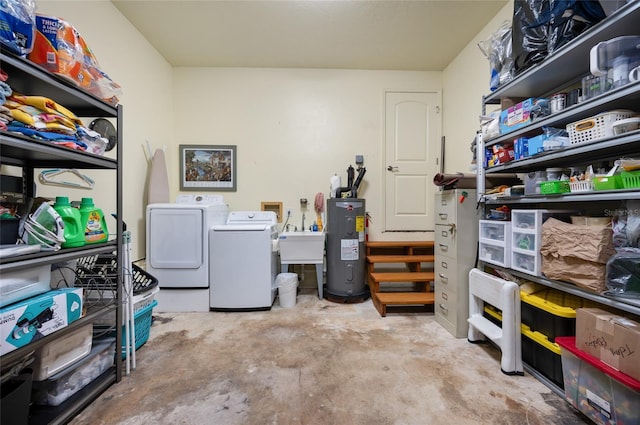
(143, 319)
(98, 274)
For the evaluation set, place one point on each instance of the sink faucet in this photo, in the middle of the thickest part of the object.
(303, 222)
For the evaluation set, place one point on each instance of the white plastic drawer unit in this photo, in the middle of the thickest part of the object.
(495, 254)
(495, 230)
(495, 242)
(526, 237)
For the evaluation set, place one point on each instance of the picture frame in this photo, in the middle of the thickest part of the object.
(208, 167)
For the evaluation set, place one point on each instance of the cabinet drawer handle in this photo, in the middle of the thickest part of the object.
(444, 247)
(445, 296)
(443, 309)
(443, 277)
(443, 216)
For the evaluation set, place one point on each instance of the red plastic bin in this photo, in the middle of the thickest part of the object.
(601, 392)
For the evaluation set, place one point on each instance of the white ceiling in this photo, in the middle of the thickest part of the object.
(423, 35)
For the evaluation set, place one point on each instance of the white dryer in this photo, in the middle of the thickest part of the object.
(177, 247)
(244, 261)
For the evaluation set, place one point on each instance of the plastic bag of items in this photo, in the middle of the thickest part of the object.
(626, 225)
(568, 19)
(17, 23)
(498, 50)
(623, 273)
(60, 48)
(540, 27)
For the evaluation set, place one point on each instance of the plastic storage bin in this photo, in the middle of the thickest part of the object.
(22, 284)
(69, 381)
(542, 354)
(603, 394)
(581, 186)
(554, 187)
(607, 182)
(595, 128)
(494, 237)
(551, 312)
(526, 237)
(62, 352)
(537, 351)
(630, 179)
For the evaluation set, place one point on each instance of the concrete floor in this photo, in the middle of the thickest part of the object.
(320, 363)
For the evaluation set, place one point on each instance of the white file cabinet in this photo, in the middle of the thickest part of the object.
(456, 237)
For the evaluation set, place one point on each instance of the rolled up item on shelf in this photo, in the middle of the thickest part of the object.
(468, 180)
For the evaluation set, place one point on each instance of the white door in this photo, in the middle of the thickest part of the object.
(412, 144)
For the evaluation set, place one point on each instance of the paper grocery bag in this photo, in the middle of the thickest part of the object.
(576, 253)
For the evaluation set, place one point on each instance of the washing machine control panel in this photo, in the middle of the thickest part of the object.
(199, 199)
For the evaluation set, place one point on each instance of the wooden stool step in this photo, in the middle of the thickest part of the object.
(382, 299)
(386, 244)
(400, 258)
(402, 277)
(399, 247)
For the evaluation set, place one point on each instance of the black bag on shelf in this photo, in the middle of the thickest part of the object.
(540, 27)
(568, 19)
(529, 37)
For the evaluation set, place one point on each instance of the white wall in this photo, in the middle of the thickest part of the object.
(465, 81)
(146, 79)
(293, 128)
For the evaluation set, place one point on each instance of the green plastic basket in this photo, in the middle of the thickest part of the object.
(607, 182)
(554, 187)
(630, 179)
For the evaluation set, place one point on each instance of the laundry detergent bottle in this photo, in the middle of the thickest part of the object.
(73, 228)
(93, 222)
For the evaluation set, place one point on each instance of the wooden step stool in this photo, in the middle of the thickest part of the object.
(410, 253)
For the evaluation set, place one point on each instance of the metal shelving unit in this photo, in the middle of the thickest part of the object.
(28, 154)
(566, 66)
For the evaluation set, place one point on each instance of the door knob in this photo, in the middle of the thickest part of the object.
(392, 168)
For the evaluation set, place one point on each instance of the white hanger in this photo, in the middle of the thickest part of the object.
(46, 177)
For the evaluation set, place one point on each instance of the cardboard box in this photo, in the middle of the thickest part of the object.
(35, 317)
(508, 102)
(536, 145)
(523, 113)
(613, 339)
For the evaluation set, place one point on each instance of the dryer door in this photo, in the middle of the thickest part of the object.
(176, 238)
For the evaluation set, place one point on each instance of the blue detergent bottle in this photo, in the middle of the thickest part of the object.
(93, 222)
(73, 228)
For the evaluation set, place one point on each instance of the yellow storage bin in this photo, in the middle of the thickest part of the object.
(552, 312)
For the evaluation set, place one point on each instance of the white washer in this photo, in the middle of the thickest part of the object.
(177, 248)
(244, 261)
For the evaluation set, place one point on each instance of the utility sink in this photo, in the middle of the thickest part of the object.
(301, 247)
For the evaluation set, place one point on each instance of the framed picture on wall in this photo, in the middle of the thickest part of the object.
(208, 167)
